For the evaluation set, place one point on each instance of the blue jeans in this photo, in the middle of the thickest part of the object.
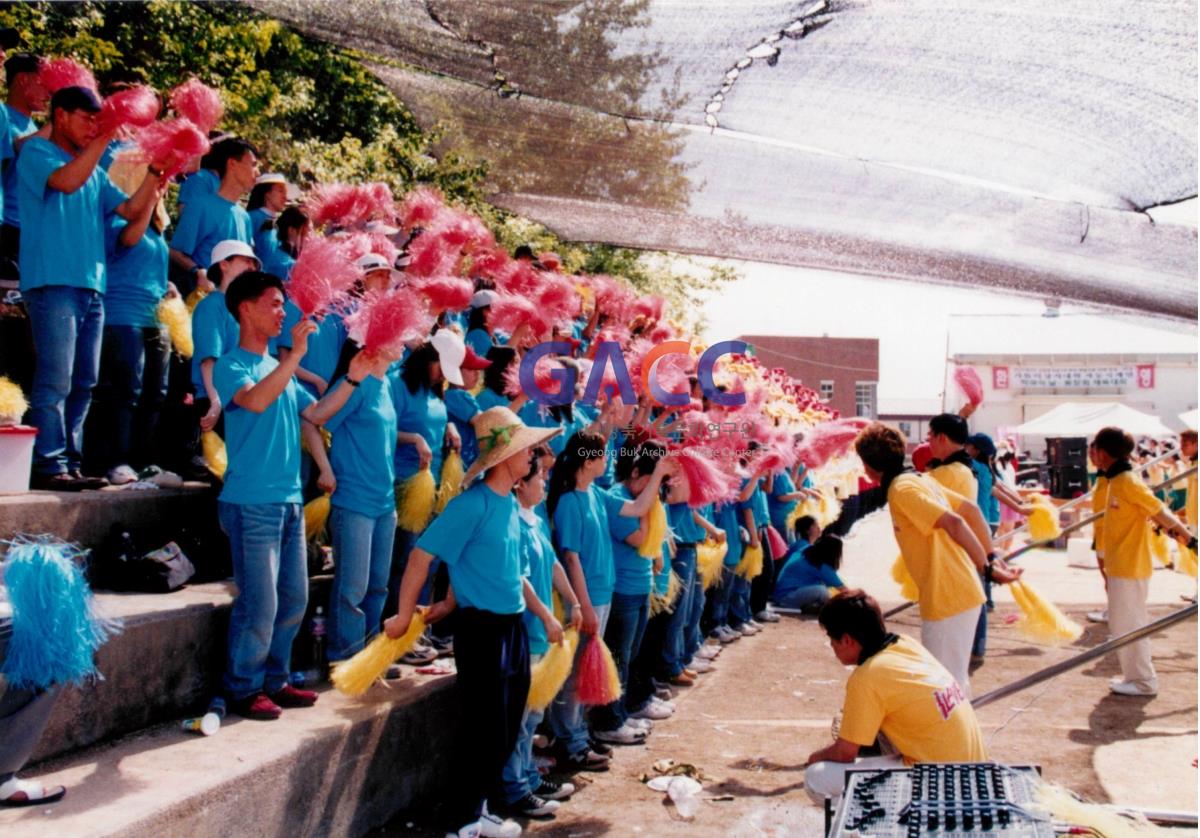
(693, 637)
(623, 636)
(674, 652)
(66, 323)
(566, 713)
(805, 598)
(134, 363)
(722, 596)
(520, 776)
(739, 600)
(362, 556)
(979, 646)
(270, 569)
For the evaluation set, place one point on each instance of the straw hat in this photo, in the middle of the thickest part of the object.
(501, 435)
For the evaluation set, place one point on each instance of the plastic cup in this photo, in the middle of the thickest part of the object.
(208, 724)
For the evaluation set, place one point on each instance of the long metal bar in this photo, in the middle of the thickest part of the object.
(1033, 545)
(1073, 502)
(1085, 656)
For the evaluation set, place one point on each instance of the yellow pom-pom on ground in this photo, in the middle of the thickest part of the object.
(908, 585)
(214, 453)
(12, 402)
(710, 558)
(656, 531)
(316, 515)
(451, 484)
(415, 501)
(1043, 520)
(1042, 621)
(176, 316)
(1187, 562)
(549, 674)
(355, 676)
(1098, 819)
(751, 564)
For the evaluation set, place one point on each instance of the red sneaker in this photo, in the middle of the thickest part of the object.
(256, 707)
(289, 696)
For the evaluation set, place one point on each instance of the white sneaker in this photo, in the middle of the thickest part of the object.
(756, 624)
(491, 826)
(640, 723)
(725, 634)
(1127, 688)
(708, 652)
(624, 735)
(766, 616)
(699, 665)
(1098, 616)
(654, 710)
(747, 629)
(471, 830)
(662, 702)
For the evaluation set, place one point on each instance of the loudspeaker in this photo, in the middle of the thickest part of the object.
(1066, 451)
(1068, 482)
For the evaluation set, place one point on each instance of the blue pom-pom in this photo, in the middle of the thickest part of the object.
(55, 631)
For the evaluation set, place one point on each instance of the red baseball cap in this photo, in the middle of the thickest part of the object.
(472, 361)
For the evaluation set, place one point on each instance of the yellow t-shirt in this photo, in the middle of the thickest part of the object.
(1099, 501)
(1189, 506)
(946, 578)
(1127, 531)
(958, 479)
(905, 693)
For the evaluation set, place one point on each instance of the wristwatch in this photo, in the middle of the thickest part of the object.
(352, 382)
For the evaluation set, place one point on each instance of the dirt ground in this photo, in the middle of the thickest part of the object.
(749, 725)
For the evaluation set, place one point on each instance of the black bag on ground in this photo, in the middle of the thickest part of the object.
(121, 563)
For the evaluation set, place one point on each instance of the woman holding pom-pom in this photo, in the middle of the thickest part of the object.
(478, 538)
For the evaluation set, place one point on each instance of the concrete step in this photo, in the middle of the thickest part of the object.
(343, 767)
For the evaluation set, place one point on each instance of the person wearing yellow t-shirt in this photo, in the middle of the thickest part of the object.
(898, 694)
(946, 545)
(1099, 499)
(951, 464)
(1129, 510)
(1187, 449)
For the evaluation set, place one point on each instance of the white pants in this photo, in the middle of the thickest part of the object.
(1126, 612)
(828, 779)
(949, 641)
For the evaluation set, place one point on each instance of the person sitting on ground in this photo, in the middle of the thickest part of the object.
(898, 694)
(807, 531)
(804, 583)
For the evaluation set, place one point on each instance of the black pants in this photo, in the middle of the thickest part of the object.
(492, 654)
(647, 662)
(764, 584)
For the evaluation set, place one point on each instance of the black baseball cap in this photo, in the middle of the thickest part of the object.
(75, 99)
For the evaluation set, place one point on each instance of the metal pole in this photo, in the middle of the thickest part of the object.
(1033, 545)
(1083, 657)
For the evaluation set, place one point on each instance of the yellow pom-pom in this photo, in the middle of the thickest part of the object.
(665, 602)
(556, 605)
(710, 559)
(1095, 818)
(12, 402)
(1160, 548)
(452, 478)
(214, 453)
(1043, 520)
(173, 314)
(316, 514)
(194, 298)
(751, 564)
(1187, 562)
(415, 501)
(549, 674)
(908, 585)
(1042, 621)
(610, 669)
(656, 531)
(355, 676)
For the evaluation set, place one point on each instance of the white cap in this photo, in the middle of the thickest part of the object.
(232, 247)
(373, 262)
(270, 177)
(381, 227)
(483, 298)
(451, 351)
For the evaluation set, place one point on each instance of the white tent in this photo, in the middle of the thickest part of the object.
(1189, 418)
(1085, 418)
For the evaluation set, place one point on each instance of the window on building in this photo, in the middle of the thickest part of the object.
(865, 403)
(906, 428)
(826, 390)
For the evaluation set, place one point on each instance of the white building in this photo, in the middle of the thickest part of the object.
(1031, 364)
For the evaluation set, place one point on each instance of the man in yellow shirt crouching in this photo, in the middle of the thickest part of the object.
(898, 692)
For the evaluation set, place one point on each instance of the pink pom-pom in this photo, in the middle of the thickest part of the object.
(489, 262)
(650, 307)
(57, 73)
(378, 196)
(384, 322)
(707, 482)
(338, 204)
(432, 256)
(445, 293)
(137, 106)
(173, 144)
(594, 678)
(968, 381)
(322, 272)
(776, 542)
(550, 261)
(359, 245)
(198, 102)
(420, 207)
(462, 231)
(828, 439)
(509, 313)
(558, 297)
(543, 375)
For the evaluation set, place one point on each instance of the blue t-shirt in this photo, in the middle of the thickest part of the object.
(488, 399)
(111, 151)
(796, 547)
(6, 151)
(683, 525)
(537, 565)
(324, 345)
(460, 407)
(197, 185)
(757, 503)
(662, 580)
(263, 448)
(137, 277)
(478, 536)
(480, 341)
(214, 332)
(634, 572)
(280, 264)
(581, 526)
(363, 449)
(780, 510)
(984, 499)
(729, 519)
(418, 413)
(266, 241)
(62, 242)
(208, 221)
(799, 573)
(18, 125)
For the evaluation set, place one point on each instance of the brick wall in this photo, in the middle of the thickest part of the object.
(844, 361)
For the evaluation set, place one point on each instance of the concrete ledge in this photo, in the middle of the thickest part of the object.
(343, 767)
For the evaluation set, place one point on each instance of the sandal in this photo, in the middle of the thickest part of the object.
(17, 792)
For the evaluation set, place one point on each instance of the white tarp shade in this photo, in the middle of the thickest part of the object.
(1085, 418)
(1189, 418)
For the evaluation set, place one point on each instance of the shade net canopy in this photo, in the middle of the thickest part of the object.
(1011, 145)
(1086, 419)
